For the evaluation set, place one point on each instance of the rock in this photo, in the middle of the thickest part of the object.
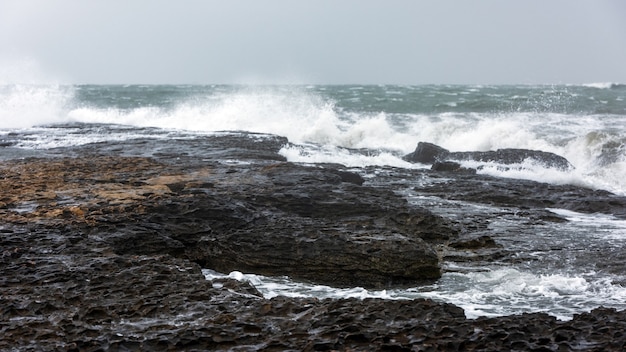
(426, 153)
(328, 257)
(451, 166)
(515, 156)
(101, 251)
(475, 243)
(524, 193)
(61, 292)
(429, 153)
(309, 223)
(306, 223)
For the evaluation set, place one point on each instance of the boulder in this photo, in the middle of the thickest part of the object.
(427, 153)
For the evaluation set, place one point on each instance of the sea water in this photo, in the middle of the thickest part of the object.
(375, 126)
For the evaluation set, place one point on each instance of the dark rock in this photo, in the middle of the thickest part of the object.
(276, 219)
(80, 298)
(514, 156)
(101, 253)
(475, 243)
(350, 177)
(329, 257)
(428, 153)
(451, 166)
(524, 193)
(306, 223)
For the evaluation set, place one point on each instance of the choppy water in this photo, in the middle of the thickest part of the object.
(586, 124)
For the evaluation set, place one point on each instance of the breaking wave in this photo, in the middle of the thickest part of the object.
(336, 127)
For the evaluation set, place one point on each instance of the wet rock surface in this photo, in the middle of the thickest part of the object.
(275, 218)
(429, 153)
(527, 194)
(103, 250)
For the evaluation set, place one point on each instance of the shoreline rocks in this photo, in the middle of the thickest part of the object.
(274, 219)
(103, 251)
(428, 153)
(71, 293)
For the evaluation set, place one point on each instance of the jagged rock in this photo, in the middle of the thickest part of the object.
(426, 153)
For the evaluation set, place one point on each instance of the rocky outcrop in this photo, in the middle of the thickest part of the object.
(428, 153)
(103, 251)
(68, 291)
(271, 218)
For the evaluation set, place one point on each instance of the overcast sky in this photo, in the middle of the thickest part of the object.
(314, 41)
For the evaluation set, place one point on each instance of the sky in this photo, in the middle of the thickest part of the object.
(313, 41)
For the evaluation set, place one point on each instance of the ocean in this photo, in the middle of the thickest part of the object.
(370, 127)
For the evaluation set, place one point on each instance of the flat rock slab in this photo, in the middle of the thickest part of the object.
(274, 219)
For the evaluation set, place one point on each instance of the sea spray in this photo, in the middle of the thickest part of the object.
(360, 125)
(26, 105)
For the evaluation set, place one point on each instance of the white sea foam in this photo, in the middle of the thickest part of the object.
(298, 116)
(601, 85)
(325, 131)
(604, 227)
(490, 293)
(510, 291)
(312, 154)
(574, 137)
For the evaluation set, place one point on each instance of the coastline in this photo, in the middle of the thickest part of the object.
(102, 250)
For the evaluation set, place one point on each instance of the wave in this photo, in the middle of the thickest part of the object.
(300, 116)
(603, 85)
(322, 131)
(25, 105)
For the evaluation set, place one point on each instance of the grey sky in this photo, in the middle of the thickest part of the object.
(315, 41)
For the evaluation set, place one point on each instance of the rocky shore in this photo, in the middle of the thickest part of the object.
(102, 249)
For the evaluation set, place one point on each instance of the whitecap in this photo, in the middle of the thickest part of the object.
(601, 85)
